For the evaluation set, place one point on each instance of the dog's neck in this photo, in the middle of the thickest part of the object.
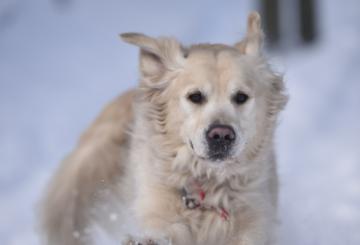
(201, 184)
(203, 188)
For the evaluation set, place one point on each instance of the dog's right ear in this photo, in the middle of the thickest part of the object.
(158, 57)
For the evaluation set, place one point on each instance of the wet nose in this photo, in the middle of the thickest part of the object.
(222, 133)
(220, 139)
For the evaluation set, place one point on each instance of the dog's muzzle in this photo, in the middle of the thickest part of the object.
(220, 139)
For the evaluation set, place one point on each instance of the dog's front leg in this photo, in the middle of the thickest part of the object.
(159, 216)
(173, 235)
(258, 232)
(166, 231)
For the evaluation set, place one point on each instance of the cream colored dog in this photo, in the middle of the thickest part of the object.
(186, 158)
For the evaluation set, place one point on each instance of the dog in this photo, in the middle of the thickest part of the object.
(187, 156)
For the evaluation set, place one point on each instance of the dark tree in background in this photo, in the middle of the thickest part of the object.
(270, 14)
(303, 20)
(307, 20)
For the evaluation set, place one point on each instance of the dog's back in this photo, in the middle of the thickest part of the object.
(95, 165)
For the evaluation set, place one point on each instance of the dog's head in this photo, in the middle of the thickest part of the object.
(220, 101)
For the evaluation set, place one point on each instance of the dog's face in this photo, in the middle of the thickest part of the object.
(220, 100)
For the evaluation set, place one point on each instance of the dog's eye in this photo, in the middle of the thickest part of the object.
(240, 98)
(196, 97)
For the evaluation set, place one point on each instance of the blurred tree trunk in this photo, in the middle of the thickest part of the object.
(303, 20)
(270, 13)
(307, 20)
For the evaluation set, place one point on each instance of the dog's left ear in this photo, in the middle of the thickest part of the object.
(158, 57)
(253, 41)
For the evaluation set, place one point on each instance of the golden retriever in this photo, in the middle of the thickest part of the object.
(187, 157)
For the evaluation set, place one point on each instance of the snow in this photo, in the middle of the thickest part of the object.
(61, 63)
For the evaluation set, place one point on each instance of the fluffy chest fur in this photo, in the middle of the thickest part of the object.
(226, 201)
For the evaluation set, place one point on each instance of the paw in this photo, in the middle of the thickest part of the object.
(140, 242)
(146, 241)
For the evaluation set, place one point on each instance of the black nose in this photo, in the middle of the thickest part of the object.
(220, 139)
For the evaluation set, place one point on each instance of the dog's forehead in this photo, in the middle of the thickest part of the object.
(212, 53)
(215, 62)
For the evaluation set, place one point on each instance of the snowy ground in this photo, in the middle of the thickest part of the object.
(59, 64)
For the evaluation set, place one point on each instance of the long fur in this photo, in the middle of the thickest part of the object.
(136, 155)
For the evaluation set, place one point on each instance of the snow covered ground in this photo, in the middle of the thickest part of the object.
(60, 63)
